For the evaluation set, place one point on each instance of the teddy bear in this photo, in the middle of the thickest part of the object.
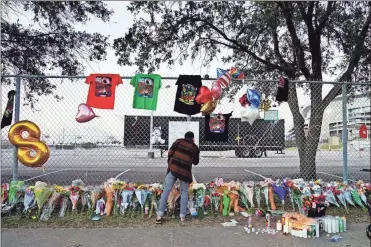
(156, 136)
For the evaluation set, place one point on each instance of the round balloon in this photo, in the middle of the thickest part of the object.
(216, 90)
(208, 107)
(85, 113)
(31, 151)
(253, 97)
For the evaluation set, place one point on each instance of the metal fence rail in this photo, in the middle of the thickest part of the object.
(119, 140)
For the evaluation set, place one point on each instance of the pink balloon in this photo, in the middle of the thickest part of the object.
(216, 90)
(85, 113)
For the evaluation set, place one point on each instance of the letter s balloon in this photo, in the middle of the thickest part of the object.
(28, 144)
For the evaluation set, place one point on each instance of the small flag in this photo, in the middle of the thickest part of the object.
(225, 79)
(220, 72)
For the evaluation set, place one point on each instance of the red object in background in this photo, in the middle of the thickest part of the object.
(363, 131)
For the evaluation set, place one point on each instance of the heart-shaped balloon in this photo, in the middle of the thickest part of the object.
(253, 97)
(216, 90)
(250, 114)
(208, 107)
(204, 95)
(85, 113)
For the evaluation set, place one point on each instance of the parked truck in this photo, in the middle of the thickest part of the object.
(246, 140)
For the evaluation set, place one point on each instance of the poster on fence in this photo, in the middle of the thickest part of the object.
(178, 129)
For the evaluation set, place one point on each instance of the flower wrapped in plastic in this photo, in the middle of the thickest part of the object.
(49, 207)
(4, 192)
(356, 197)
(281, 190)
(215, 200)
(126, 196)
(42, 193)
(74, 196)
(234, 196)
(247, 189)
(118, 186)
(258, 191)
(331, 198)
(29, 201)
(15, 192)
(96, 194)
(64, 200)
(109, 191)
(348, 197)
(297, 196)
(340, 196)
(141, 194)
(156, 190)
(86, 199)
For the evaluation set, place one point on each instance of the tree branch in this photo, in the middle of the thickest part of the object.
(331, 6)
(354, 59)
(295, 40)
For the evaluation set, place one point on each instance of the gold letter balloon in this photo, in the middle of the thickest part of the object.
(31, 151)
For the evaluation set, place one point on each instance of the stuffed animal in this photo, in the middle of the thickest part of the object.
(156, 136)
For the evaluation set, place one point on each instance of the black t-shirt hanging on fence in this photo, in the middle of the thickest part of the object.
(188, 88)
(216, 127)
(283, 90)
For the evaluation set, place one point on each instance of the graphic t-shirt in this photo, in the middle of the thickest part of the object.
(102, 90)
(216, 127)
(146, 91)
(188, 88)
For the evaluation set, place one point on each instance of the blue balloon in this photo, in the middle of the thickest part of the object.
(253, 97)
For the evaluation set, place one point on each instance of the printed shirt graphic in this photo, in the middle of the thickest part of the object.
(216, 127)
(188, 88)
(102, 90)
(146, 91)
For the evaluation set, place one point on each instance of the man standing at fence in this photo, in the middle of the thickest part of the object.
(182, 154)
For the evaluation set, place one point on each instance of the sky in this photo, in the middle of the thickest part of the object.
(57, 119)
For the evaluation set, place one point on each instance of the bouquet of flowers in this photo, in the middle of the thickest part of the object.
(356, 197)
(330, 197)
(156, 190)
(109, 198)
(200, 190)
(215, 199)
(126, 195)
(171, 200)
(117, 185)
(29, 200)
(42, 193)
(64, 200)
(96, 194)
(141, 194)
(86, 199)
(4, 192)
(281, 190)
(15, 192)
(247, 190)
(75, 189)
(49, 207)
(258, 191)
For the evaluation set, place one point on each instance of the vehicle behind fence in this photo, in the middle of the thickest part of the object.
(118, 141)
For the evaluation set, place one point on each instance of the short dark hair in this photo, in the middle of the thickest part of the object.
(189, 135)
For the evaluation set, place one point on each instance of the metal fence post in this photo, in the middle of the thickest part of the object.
(151, 154)
(345, 134)
(17, 106)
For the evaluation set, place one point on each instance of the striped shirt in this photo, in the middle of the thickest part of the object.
(182, 154)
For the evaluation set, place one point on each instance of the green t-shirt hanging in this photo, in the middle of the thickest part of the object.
(146, 91)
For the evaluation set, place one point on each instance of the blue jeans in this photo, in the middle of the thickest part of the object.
(169, 183)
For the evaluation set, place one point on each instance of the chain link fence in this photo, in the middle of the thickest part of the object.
(118, 141)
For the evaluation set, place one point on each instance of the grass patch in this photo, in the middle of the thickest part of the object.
(327, 147)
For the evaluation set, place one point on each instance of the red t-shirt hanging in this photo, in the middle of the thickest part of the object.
(102, 90)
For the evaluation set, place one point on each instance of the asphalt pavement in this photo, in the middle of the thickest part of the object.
(172, 237)
(96, 166)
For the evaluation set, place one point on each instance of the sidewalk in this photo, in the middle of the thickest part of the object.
(170, 237)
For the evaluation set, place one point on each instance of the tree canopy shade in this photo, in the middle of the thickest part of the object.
(51, 42)
(265, 39)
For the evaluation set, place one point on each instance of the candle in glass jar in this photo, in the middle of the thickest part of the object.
(333, 225)
(285, 229)
(344, 223)
(279, 226)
